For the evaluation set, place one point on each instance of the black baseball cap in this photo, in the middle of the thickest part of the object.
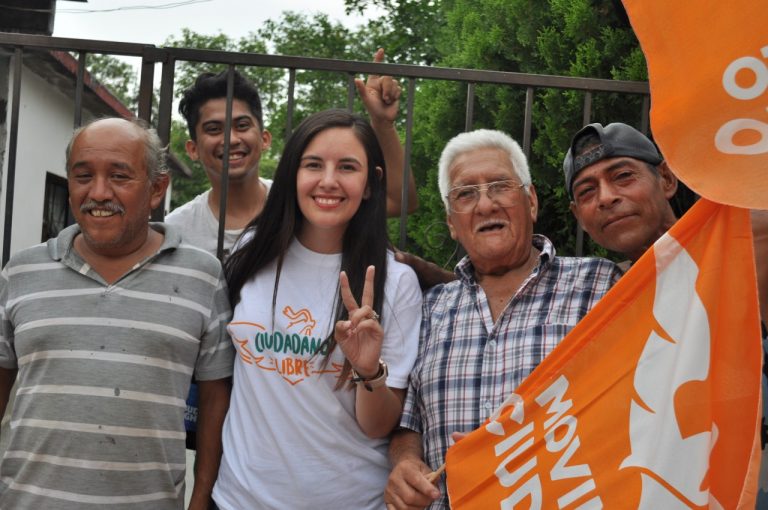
(616, 140)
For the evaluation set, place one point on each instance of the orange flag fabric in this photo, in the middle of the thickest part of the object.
(651, 402)
(708, 72)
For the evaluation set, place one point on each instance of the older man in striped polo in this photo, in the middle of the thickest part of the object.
(103, 328)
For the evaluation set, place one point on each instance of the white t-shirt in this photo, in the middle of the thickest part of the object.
(290, 440)
(199, 227)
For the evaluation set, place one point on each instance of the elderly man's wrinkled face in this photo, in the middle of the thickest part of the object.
(110, 193)
(623, 205)
(496, 231)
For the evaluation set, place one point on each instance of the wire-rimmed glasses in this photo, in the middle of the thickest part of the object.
(463, 199)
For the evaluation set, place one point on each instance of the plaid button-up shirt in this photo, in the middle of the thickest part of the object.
(468, 364)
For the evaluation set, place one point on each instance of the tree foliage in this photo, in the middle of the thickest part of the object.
(586, 38)
(185, 188)
(293, 34)
(409, 29)
(115, 74)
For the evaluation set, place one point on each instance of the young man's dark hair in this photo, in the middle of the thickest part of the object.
(213, 86)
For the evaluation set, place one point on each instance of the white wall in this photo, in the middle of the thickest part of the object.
(46, 118)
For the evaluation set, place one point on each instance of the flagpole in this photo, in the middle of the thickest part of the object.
(434, 475)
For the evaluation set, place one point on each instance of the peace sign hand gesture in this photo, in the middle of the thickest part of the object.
(360, 337)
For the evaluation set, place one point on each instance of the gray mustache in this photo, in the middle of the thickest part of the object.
(110, 206)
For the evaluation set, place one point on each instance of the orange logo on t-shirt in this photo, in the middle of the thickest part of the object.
(303, 316)
(294, 354)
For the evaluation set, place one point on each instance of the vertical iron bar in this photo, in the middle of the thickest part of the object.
(528, 119)
(291, 102)
(225, 162)
(586, 117)
(13, 139)
(469, 119)
(645, 115)
(164, 108)
(407, 162)
(165, 105)
(468, 124)
(81, 59)
(351, 92)
(586, 114)
(146, 83)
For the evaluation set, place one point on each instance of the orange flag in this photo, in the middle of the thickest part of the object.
(651, 402)
(708, 71)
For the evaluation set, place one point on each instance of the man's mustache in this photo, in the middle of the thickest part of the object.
(107, 204)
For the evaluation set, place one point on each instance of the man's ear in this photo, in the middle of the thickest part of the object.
(157, 190)
(534, 202)
(451, 228)
(191, 148)
(266, 139)
(668, 179)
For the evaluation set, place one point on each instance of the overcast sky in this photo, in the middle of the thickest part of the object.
(152, 21)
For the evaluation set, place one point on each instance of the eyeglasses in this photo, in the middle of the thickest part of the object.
(462, 199)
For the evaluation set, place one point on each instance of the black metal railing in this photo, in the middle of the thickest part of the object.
(167, 57)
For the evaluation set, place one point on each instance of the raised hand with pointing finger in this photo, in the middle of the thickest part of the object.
(380, 95)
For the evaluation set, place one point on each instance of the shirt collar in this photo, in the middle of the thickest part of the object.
(61, 246)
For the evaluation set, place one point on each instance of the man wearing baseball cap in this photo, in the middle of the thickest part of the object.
(620, 187)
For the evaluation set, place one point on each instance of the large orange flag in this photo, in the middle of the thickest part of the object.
(708, 71)
(651, 402)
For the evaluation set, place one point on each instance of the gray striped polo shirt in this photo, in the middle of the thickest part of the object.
(104, 371)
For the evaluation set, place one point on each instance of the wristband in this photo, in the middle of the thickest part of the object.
(378, 380)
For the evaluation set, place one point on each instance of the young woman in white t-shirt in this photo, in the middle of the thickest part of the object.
(326, 325)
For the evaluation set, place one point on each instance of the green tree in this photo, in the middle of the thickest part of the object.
(409, 29)
(293, 34)
(317, 36)
(587, 38)
(185, 188)
(115, 74)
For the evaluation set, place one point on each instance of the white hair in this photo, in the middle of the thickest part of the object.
(481, 139)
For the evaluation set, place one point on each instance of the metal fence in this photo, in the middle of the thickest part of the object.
(167, 57)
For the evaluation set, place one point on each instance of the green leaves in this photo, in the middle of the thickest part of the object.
(117, 75)
(587, 38)
(584, 38)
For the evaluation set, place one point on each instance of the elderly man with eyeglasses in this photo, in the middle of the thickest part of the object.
(482, 334)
